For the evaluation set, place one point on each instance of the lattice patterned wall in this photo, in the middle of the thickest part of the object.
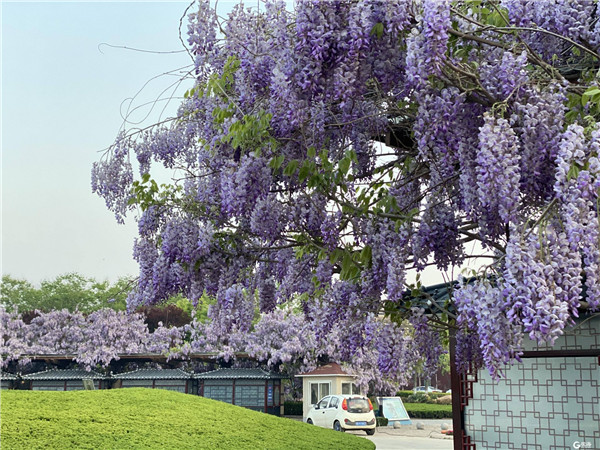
(543, 403)
(583, 336)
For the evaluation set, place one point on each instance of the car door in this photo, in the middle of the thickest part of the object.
(321, 411)
(331, 412)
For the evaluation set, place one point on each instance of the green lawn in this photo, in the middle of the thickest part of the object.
(151, 419)
(428, 411)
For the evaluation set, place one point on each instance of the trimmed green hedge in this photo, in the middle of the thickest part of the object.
(404, 394)
(428, 411)
(420, 397)
(382, 421)
(292, 408)
(140, 418)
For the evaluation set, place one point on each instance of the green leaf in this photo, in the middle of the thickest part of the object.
(290, 169)
(347, 264)
(573, 172)
(593, 94)
(377, 30)
(336, 256)
(315, 181)
(276, 162)
(324, 157)
(344, 165)
(304, 172)
(366, 255)
(571, 116)
(594, 90)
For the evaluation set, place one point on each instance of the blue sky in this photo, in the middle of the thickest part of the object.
(61, 101)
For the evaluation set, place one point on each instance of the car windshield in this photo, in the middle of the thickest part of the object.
(358, 405)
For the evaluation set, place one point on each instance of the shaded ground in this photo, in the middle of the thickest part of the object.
(410, 438)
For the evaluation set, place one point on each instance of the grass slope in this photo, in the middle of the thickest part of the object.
(151, 419)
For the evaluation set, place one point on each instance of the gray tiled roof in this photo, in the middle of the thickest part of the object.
(258, 374)
(71, 374)
(154, 374)
(7, 376)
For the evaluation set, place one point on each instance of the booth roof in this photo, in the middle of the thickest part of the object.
(326, 370)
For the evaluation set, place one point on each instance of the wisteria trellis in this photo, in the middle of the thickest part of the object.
(288, 195)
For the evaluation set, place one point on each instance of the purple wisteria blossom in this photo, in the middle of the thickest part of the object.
(481, 311)
(324, 150)
(498, 173)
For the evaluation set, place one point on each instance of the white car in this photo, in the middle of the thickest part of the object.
(343, 412)
(426, 389)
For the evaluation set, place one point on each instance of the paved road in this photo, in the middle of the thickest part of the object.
(391, 442)
(387, 439)
(390, 439)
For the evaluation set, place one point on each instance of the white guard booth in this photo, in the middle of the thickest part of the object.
(329, 379)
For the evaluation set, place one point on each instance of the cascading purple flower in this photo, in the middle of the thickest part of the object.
(435, 131)
(427, 341)
(507, 77)
(498, 174)
(268, 218)
(436, 21)
(537, 295)
(538, 121)
(243, 185)
(426, 48)
(112, 179)
(438, 234)
(202, 35)
(577, 189)
(481, 310)
(281, 337)
(330, 80)
(13, 338)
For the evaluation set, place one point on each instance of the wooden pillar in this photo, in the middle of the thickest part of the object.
(266, 398)
(458, 424)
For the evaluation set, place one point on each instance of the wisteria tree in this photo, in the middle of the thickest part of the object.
(325, 150)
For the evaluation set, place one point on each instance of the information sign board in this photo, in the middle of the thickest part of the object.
(393, 409)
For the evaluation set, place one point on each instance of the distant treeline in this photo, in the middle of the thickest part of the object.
(76, 292)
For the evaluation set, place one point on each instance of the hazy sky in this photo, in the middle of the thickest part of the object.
(62, 95)
(61, 100)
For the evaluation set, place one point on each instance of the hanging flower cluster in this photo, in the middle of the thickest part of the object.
(323, 152)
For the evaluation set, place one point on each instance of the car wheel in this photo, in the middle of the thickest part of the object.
(370, 432)
(337, 426)
(309, 421)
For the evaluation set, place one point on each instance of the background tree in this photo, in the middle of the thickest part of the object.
(169, 315)
(20, 294)
(283, 186)
(69, 291)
